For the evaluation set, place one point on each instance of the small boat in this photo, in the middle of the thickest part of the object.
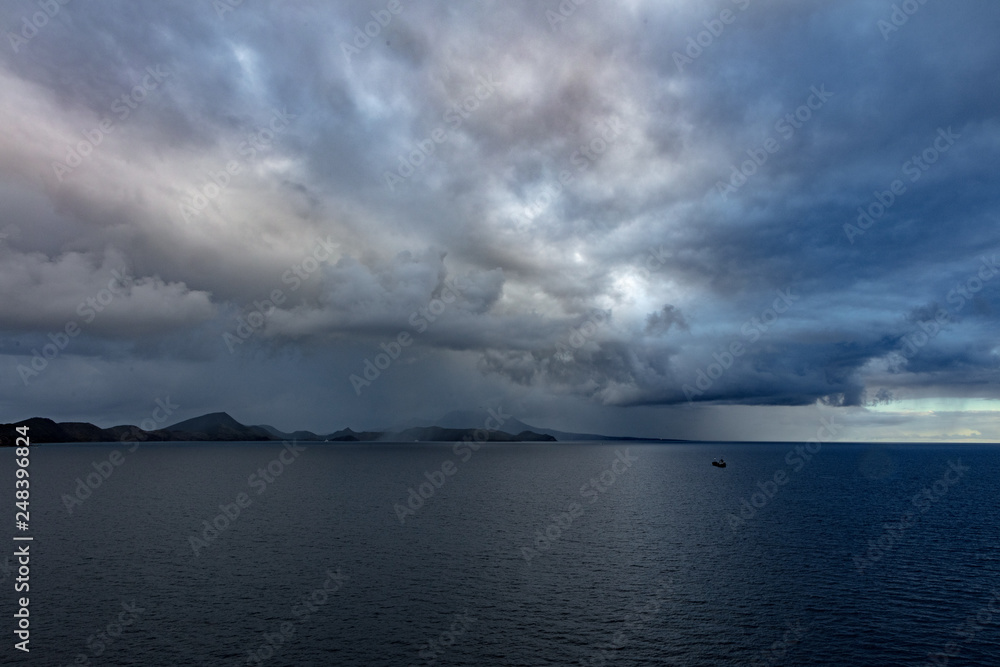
(719, 464)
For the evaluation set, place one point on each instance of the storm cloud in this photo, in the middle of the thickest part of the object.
(678, 219)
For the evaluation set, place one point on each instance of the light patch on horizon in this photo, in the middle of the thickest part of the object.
(933, 405)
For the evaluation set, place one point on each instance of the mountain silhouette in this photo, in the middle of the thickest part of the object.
(222, 427)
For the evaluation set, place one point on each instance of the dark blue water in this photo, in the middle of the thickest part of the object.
(651, 563)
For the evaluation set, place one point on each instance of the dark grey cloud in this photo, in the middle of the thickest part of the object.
(622, 196)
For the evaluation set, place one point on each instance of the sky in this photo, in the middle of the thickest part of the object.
(732, 219)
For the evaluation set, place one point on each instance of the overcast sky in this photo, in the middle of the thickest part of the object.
(675, 218)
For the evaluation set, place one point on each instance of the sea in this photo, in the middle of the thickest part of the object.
(576, 553)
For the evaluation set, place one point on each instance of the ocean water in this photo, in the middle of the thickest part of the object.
(516, 554)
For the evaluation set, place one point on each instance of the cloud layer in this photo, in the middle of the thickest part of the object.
(627, 216)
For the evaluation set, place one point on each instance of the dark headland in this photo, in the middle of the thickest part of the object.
(221, 427)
